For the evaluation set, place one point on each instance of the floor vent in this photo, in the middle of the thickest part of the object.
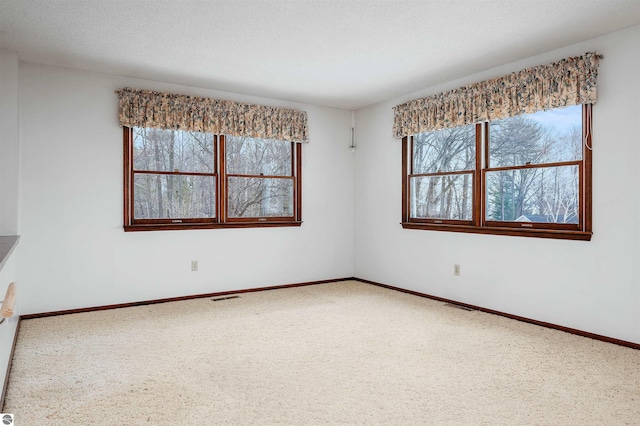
(453, 305)
(225, 298)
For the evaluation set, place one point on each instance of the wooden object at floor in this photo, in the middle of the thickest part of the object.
(8, 303)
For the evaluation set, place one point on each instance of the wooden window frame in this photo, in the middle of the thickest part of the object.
(221, 178)
(479, 223)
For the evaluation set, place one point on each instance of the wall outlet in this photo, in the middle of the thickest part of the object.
(194, 265)
(456, 269)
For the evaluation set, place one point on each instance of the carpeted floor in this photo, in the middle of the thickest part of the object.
(339, 353)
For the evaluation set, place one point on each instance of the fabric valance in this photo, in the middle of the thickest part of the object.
(145, 108)
(570, 81)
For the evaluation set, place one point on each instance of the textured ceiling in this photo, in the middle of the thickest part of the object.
(344, 54)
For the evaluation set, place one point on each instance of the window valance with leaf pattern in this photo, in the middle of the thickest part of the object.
(570, 81)
(146, 108)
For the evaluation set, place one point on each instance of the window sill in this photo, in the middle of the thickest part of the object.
(186, 226)
(517, 232)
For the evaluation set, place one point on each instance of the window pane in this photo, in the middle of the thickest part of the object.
(174, 196)
(260, 197)
(544, 137)
(442, 197)
(172, 150)
(253, 156)
(445, 150)
(545, 194)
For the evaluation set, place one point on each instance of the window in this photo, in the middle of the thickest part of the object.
(527, 175)
(441, 180)
(178, 179)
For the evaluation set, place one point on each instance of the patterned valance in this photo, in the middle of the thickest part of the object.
(571, 81)
(146, 108)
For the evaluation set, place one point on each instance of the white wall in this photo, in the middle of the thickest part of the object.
(74, 252)
(9, 152)
(592, 286)
(9, 142)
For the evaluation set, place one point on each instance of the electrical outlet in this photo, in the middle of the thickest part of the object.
(194, 265)
(456, 269)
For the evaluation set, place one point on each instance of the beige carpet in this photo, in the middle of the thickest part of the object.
(340, 353)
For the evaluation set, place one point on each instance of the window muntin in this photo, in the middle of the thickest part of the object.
(533, 174)
(176, 179)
